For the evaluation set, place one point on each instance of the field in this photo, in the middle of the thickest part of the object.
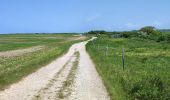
(146, 72)
(22, 54)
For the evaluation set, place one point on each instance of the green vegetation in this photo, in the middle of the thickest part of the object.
(164, 30)
(147, 64)
(148, 32)
(12, 69)
(18, 41)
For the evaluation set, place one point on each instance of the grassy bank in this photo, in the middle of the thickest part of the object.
(13, 69)
(146, 75)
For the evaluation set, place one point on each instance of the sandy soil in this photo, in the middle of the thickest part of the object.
(20, 52)
(63, 79)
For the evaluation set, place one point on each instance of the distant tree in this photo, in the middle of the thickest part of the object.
(148, 29)
(97, 32)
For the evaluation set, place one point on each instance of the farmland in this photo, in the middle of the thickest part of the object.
(22, 54)
(146, 74)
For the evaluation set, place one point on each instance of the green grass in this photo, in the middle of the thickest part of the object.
(13, 69)
(18, 41)
(147, 64)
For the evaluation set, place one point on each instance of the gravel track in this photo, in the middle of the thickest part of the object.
(75, 77)
(53, 87)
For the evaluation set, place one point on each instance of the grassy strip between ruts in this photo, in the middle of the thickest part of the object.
(66, 89)
(146, 75)
(14, 69)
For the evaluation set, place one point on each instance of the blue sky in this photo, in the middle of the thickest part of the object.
(29, 16)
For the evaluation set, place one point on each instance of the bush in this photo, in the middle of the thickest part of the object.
(161, 38)
(168, 38)
(151, 32)
(129, 34)
(125, 35)
(148, 29)
(149, 89)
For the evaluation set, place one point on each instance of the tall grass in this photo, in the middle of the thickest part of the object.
(146, 75)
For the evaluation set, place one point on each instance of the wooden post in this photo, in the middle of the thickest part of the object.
(93, 43)
(123, 58)
(107, 48)
(104, 51)
(98, 47)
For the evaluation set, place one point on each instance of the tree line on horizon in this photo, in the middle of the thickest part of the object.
(147, 32)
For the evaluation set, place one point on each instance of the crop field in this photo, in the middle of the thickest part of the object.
(146, 71)
(22, 54)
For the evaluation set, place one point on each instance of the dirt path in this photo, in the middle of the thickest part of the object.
(20, 52)
(70, 77)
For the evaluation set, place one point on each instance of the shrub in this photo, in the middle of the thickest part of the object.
(148, 89)
(168, 38)
(125, 35)
(148, 29)
(129, 34)
(161, 38)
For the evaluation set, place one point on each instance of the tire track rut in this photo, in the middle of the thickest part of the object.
(59, 86)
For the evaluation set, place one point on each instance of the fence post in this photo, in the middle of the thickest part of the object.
(93, 43)
(104, 51)
(107, 49)
(98, 47)
(123, 58)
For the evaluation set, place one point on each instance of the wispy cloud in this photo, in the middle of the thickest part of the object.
(93, 18)
(131, 25)
(157, 23)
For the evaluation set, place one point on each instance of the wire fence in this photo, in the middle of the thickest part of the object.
(107, 50)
